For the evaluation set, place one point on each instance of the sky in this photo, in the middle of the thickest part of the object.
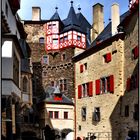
(48, 8)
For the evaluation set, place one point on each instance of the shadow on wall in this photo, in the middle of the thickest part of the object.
(124, 121)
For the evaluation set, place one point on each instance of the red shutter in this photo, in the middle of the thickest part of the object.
(111, 80)
(128, 84)
(108, 57)
(79, 91)
(98, 87)
(81, 68)
(136, 52)
(90, 89)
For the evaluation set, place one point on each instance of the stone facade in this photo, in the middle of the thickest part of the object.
(130, 98)
(56, 69)
(116, 119)
(106, 102)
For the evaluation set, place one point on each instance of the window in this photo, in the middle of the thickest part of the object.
(65, 38)
(85, 90)
(126, 112)
(63, 56)
(15, 69)
(50, 114)
(105, 85)
(41, 40)
(132, 83)
(83, 113)
(63, 84)
(65, 115)
(61, 40)
(50, 26)
(96, 114)
(55, 41)
(107, 57)
(25, 84)
(56, 114)
(45, 59)
(78, 37)
(136, 112)
(83, 67)
(79, 127)
(135, 52)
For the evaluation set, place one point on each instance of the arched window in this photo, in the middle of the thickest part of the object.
(25, 84)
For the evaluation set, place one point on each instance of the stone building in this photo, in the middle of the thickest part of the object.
(101, 74)
(16, 74)
(56, 111)
(129, 101)
(52, 52)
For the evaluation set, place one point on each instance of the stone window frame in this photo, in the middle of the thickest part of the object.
(63, 84)
(65, 114)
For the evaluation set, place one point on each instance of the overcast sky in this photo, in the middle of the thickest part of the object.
(48, 8)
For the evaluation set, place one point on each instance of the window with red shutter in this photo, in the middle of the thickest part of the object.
(136, 52)
(98, 87)
(81, 68)
(107, 57)
(111, 80)
(90, 89)
(79, 91)
(128, 84)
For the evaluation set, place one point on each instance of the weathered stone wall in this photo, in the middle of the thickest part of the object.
(130, 68)
(97, 68)
(56, 69)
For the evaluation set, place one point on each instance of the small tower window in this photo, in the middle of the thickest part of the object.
(55, 41)
(78, 37)
(63, 56)
(65, 38)
(45, 59)
(41, 40)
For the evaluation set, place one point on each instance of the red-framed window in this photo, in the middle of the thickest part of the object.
(65, 115)
(105, 85)
(83, 67)
(56, 114)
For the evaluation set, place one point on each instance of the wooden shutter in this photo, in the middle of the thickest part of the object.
(81, 68)
(128, 84)
(98, 87)
(90, 89)
(108, 57)
(111, 80)
(79, 91)
(136, 52)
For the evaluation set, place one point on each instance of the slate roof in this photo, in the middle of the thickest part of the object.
(55, 16)
(106, 33)
(49, 94)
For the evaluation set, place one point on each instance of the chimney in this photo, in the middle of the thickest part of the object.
(36, 13)
(115, 17)
(98, 21)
